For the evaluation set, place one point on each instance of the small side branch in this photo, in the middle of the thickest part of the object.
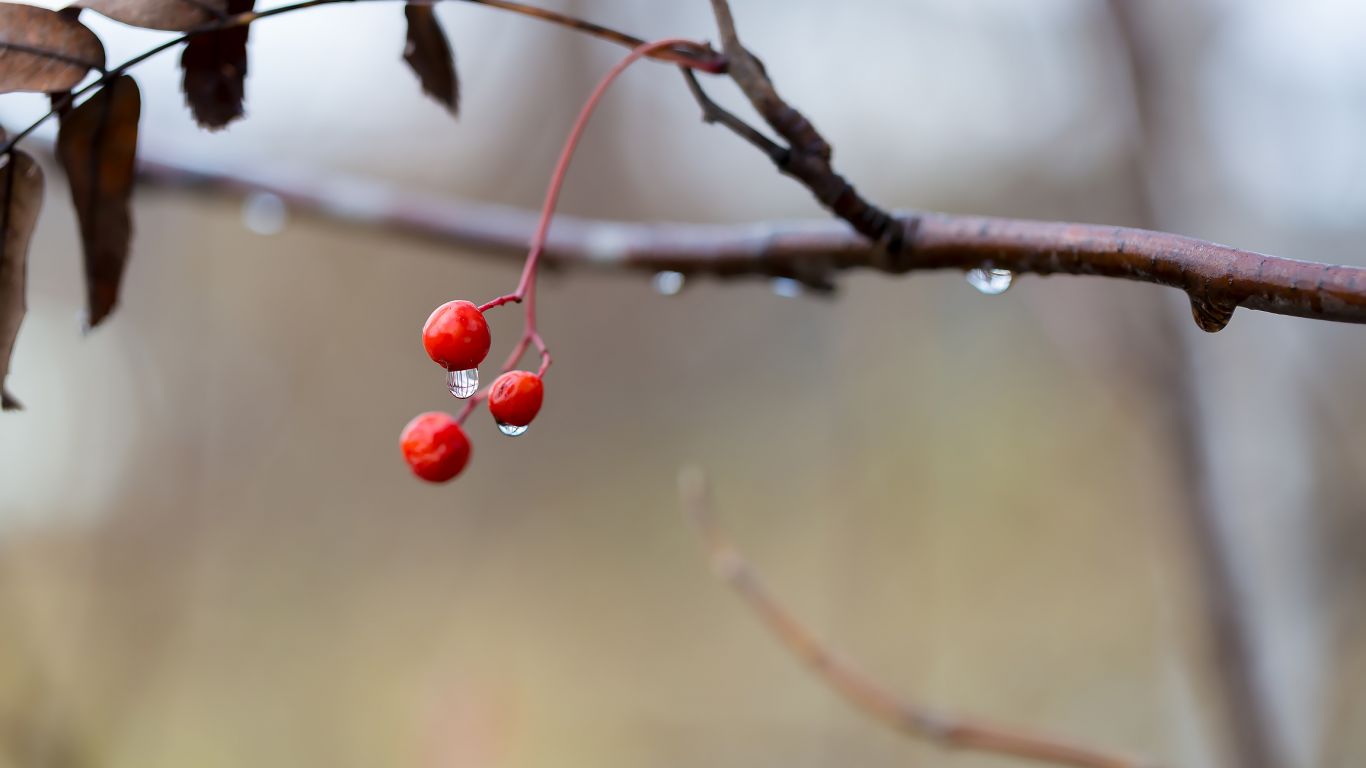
(808, 159)
(872, 698)
(714, 113)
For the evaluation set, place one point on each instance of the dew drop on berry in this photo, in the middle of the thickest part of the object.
(463, 383)
(511, 430)
(990, 281)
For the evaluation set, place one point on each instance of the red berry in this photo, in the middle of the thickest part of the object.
(516, 398)
(456, 336)
(435, 447)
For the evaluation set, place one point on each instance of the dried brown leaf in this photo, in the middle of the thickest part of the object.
(97, 146)
(429, 54)
(216, 71)
(44, 51)
(21, 195)
(169, 15)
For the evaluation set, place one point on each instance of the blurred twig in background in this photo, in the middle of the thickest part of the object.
(909, 717)
(1249, 730)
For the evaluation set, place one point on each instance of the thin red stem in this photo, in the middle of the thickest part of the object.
(526, 286)
(552, 197)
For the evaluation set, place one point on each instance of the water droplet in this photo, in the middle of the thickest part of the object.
(1211, 316)
(608, 242)
(463, 383)
(786, 286)
(668, 283)
(264, 213)
(511, 430)
(990, 281)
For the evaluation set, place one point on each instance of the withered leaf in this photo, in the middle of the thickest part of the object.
(216, 71)
(429, 54)
(169, 15)
(21, 195)
(44, 51)
(96, 146)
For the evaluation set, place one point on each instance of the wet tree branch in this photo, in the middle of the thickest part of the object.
(1216, 277)
(872, 698)
(812, 251)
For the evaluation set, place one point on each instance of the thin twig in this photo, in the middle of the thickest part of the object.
(714, 113)
(1217, 278)
(808, 159)
(685, 53)
(871, 697)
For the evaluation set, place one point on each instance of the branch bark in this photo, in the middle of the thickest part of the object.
(1217, 277)
(872, 698)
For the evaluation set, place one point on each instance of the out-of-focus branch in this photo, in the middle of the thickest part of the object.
(1216, 277)
(1247, 720)
(866, 694)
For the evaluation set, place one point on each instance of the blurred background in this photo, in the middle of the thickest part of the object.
(1027, 506)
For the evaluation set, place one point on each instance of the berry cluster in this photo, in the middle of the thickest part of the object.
(456, 337)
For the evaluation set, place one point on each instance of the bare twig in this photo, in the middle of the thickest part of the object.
(1216, 278)
(808, 159)
(686, 53)
(869, 696)
(713, 113)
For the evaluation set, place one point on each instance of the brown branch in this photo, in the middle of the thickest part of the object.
(808, 160)
(1217, 277)
(864, 693)
(701, 58)
(684, 54)
(714, 113)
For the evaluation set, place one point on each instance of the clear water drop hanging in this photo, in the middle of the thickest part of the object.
(668, 282)
(990, 281)
(511, 430)
(463, 383)
(265, 213)
(786, 287)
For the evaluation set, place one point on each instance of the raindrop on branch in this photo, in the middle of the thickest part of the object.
(990, 281)
(264, 213)
(787, 287)
(463, 383)
(668, 282)
(511, 430)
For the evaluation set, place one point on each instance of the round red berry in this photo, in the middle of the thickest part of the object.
(456, 336)
(515, 398)
(435, 447)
